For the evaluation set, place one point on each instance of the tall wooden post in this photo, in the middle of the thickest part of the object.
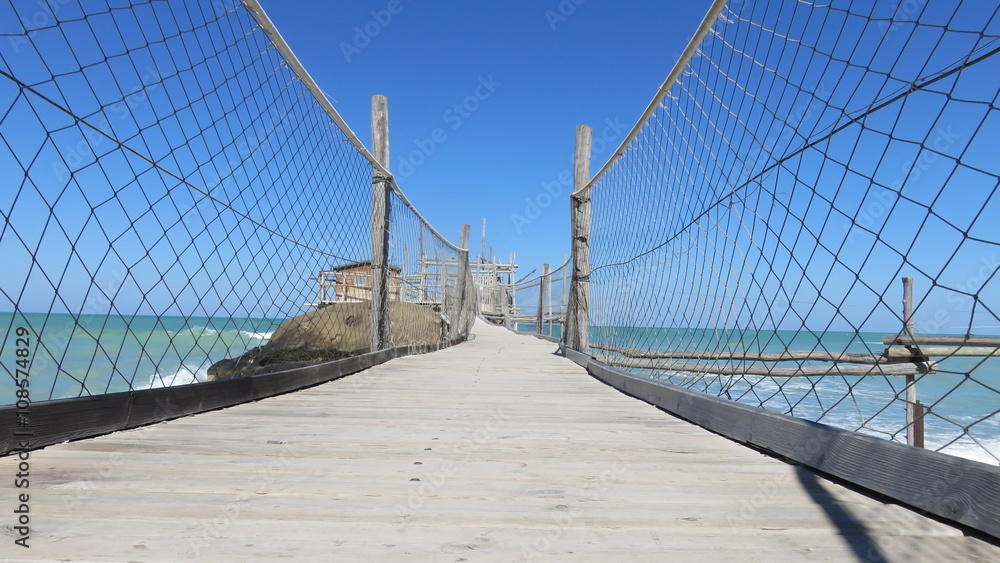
(482, 254)
(511, 288)
(505, 303)
(463, 278)
(564, 303)
(548, 300)
(422, 297)
(380, 226)
(578, 325)
(543, 283)
(914, 410)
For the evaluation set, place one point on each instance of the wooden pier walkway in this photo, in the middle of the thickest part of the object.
(493, 450)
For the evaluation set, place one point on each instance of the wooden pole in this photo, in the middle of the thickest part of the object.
(578, 325)
(542, 282)
(511, 278)
(422, 297)
(914, 423)
(505, 303)
(548, 298)
(463, 278)
(380, 226)
(564, 302)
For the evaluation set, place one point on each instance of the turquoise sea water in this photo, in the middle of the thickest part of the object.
(84, 355)
(96, 354)
(963, 396)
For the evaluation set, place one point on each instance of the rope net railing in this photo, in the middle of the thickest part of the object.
(750, 240)
(175, 194)
(431, 294)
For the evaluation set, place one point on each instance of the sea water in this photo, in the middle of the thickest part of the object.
(74, 356)
(963, 395)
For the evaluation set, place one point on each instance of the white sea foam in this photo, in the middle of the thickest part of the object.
(258, 335)
(182, 376)
(969, 449)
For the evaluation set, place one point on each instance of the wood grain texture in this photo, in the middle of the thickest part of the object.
(957, 489)
(380, 214)
(498, 449)
(52, 422)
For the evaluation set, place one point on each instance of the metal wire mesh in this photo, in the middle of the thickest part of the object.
(171, 188)
(807, 158)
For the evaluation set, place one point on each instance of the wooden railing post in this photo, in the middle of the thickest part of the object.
(463, 277)
(543, 283)
(380, 226)
(505, 303)
(914, 410)
(578, 317)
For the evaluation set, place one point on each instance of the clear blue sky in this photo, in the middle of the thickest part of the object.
(599, 64)
(484, 99)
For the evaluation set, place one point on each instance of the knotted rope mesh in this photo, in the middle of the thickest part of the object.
(808, 157)
(172, 191)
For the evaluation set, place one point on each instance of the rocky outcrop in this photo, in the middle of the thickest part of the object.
(336, 331)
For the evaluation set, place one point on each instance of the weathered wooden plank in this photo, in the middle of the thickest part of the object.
(52, 422)
(957, 489)
(496, 450)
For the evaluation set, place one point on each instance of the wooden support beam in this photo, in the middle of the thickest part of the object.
(911, 382)
(505, 303)
(381, 185)
(578, 315)
(543, 283)
(928, 340)
(723, 355)
(942, 351)
(918, 428)
(463, 280)
(908, 368)
(423, 269)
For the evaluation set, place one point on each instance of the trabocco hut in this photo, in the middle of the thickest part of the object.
(351, 283)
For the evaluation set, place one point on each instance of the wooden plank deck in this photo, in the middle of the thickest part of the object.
(493, 450)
